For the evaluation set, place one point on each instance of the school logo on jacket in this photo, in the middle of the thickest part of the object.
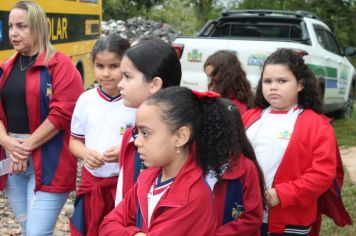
(237, 210)
(49, 91)
(285, 135)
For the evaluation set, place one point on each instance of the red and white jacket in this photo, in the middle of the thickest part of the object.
(306, 171)
(185, 209)
(249, 221)
(52, 90)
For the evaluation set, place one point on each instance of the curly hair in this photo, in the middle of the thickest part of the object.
(208, 120)
(228, 78)
(308, 97)
(244, 143)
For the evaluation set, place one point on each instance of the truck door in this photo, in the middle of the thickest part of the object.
(337, 78)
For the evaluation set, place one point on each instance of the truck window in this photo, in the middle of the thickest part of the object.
(261, 30)
(326, 39)
(267, 31)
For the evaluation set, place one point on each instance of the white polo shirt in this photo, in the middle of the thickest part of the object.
(101, 121)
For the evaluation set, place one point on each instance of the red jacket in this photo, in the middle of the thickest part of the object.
(95, 199)
(185, 209)
(250, 220)
(127, 160)
(306, 171)
(51, 93)
(242, 107)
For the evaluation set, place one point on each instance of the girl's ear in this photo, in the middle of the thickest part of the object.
(183, 135)
(300, 85)
(156, 84)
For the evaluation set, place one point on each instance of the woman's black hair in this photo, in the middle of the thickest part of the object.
(111, 43)
(242, 140)
(209, 121)
(308, 97)
(155, 58)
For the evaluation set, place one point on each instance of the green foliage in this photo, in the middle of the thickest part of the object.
(177, 13)
(119, 9)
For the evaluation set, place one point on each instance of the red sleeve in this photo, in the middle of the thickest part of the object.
(66, 87)
(122, 219)
(316, 179)
(250, 221)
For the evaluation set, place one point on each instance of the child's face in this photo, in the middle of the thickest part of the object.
(280, 87)
(107, 72)
(155, 141)
(133, 86)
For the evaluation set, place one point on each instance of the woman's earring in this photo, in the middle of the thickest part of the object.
(178, 150)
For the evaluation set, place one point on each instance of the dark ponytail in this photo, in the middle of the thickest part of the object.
(210, 123)
(244, 143)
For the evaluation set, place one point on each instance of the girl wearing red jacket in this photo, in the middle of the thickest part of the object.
(181, 136)
(146, 68)
(227, 77)
(238, 197)
(294, 143)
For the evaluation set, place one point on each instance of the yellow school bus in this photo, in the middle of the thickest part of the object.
(74, 25)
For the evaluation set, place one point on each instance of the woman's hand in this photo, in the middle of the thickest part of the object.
(112, 154)
(20, 166)
(272, 197)
(93, 159)
(16, 149)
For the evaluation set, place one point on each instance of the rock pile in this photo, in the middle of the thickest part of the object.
(137, 27)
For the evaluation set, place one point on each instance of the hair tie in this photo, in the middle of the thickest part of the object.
(209, 94)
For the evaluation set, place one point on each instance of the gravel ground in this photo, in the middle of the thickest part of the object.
(9, 227)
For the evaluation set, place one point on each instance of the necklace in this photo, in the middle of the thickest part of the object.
(28, 65)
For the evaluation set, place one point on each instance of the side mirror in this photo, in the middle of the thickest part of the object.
(350, 51)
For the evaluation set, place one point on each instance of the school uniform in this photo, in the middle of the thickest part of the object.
(306, 170)
(129, 163)
(100, 120)
(238, 201)
(186, 208)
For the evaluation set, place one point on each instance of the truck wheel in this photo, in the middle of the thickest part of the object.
(349, 107)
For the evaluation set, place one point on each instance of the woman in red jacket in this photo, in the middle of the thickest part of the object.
(227, 77)
(294, 143)
(181, 136)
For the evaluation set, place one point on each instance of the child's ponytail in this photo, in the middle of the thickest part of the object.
(216, 137)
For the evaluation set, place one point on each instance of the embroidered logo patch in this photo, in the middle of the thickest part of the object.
(237, 210)
(49, 90)
(285, 135)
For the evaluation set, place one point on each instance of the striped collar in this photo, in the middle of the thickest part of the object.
(106, 97)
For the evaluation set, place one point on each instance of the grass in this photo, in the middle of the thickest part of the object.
(345, 130)
(328, 228)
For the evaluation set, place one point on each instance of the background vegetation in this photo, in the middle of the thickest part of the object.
(188, 16)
